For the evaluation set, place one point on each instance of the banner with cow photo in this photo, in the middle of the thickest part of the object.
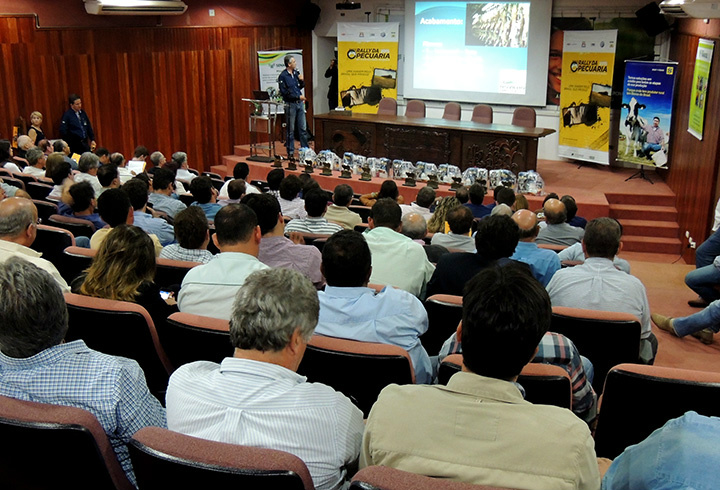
(646, 113)
(588, 60)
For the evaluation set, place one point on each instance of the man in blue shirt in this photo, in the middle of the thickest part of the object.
(75, 127)
(543, 262)
(205, 196)
(291, 82)
(477, 194)
(137, 191)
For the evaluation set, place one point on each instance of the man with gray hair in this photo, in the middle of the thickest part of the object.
(18, 229)
(62, 147)
(180, 159)
(36, 163)
(425, 198)
(37, 365)
(88, 166)
(256, 397)
(157, 158)
(414, 227)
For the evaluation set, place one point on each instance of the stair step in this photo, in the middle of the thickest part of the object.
(221, 170)
(641, 199)
(665, 229)
(241, 150)
(640, 212)
(633, 243)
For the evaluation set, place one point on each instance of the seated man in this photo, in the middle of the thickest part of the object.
(60, 173)
(108, 177)
(83, 205)
(37, 365)
(161, 195)
(125, 174)
(290, 203)
(496, 239)
(210, 289)
(276, 250)
(557, 231)
(88, 166)
(315, 206)
(425, 198)
(338, 211)
(575, 253)
(571, 207)
(351, 310)
(236, 190)
(477, 194)
(414, 227)
(18, 230)
(598, 285)
(205, 196)
(544, 263)
(255, 397)
(396, 259)
(61, 146)
(137, 190)
(460, 220)
(179, 158)
(192, 235)
(478, 429)
(274, 178)
(240, 172)
(36, 163)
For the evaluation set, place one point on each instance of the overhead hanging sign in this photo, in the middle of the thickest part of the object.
(698, 93)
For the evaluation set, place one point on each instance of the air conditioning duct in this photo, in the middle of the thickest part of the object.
(697, 9)
(135, 7)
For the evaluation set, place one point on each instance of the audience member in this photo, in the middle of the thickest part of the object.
(108, 177)
(35, 133)
(704, 281)
(45, 146)
(290, 203)
(274, 179)
(205, 196)
(18, 229)
(88, 166)
(521, 202)
(504, 195)
(61, 146)
(103, 155)
(83, 205)
(278, 251)
(557, 231)
(240, 171)
(125, 174)
(61, 174)
(598, 285)
(460, 220)
(462, 194)
(157, 159)
(415, 228)
(388, 189)
(543, 263)
(36, 163)
(209, 289)
(338, 211)
(351, 310)
(183, 173)
(24, 143)
(36, 364)
(495, 240)
(236, 190)
(501, 209)
(6, 157)
(571, 208)
(192, 235)
(574, 253)
(141, 154)
(161, 196)
(137, 191)
(423, 201)
(315, 223)
(436, 223)
(179, 187)
(497, 438)
(273, 318)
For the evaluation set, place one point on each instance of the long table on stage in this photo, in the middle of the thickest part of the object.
(462, 143)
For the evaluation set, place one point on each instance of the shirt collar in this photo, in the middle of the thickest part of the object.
(260, 369)
(48, 356)
(484, 387)
(599, 263)
(350, 292)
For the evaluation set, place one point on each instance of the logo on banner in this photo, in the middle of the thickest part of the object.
(593, 66)
(368, 54)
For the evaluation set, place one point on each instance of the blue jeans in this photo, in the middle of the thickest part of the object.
(702, 281)
(647, 147)
(707, 318)
(295, 114)
(82, 241)
(706, 253)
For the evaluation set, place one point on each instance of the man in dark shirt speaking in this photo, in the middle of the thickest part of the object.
(75, 127)
(291, 82)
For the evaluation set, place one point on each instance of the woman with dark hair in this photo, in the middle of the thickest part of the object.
(387, 189)
(6, 157)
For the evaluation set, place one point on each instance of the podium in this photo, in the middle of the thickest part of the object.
(262, 130)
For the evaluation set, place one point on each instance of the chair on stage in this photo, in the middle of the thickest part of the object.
(387, 478)
(524, 116)
(360, 370)
(415, 108)
(444, 313)
(387, 106)
(165, 459)
(639, 399)
(452, 111)
(48, 447)
(196, 338)
(482, 113)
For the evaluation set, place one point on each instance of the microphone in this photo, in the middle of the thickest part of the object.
(296, 73)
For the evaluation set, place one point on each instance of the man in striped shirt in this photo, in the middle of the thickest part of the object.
(316, 203)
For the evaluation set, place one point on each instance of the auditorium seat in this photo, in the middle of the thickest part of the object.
(639, 399)
(524, 116)
(544, 384)
(552, 246)
(14, 182)
(482, 113)
(186, 199)
(360, 370)
(45, 209)
(387, 106)
(165, 459)
(169, 273)
(606, 338)
(5, 173)
(363, 211)
(51, 241)
(212, 175)
(196, 338)
(386, 478)
(74, 261)
(415, 108)
(76, 226)
(38, 190)
(120, 328)
(452, 111)
(361, 228)
(49, 447)
(444, 313)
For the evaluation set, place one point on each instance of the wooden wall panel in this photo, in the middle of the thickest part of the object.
(170, 89)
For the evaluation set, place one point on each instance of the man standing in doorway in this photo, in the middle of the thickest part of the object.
(75, 127)
(291, 83)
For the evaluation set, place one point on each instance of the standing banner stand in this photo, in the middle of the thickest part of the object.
(587, 74)
(698, 94)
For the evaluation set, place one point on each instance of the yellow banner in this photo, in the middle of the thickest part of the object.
(367, 64)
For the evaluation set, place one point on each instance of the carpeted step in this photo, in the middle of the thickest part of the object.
(665, 229)
(241, 150)
(633, 243)
(640, 199)
(643, 212)
(221, 170)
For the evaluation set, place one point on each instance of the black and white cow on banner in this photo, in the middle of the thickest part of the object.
(633, 128)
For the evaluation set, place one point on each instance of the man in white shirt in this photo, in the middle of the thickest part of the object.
(36, 163)
(290, 203)
(210, 289)
(425, 198)
(256, 397)
(338, 211)
(88, 166)
(240, 171)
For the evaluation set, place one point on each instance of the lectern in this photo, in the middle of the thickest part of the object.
(262, 129)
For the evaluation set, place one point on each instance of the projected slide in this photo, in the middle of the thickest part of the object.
(471, 46)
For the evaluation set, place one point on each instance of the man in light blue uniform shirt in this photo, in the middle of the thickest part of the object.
(543, 262)
(137, 191)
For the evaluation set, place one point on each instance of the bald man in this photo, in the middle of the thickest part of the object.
(557, 231)
(543, 263)
(18, 229)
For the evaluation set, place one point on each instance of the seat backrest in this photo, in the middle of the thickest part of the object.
(51, 241)
(45, 209)
(122, 329)
(639, 399)
(14, 182)
(171, 272)
(75, 260)
(186, 199)
(363, 211)
(524, 116)
(452, 111)
(387, 106)
(38, 190)
(386, 478)
(360, 370)
(166, 459)
(27, 178)
(196, 338)
(551, 246)
(53, 446)
(482, 113)
(606, 338)
(415, 108)
(444, 313)
(76, 226)
(213, 175)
